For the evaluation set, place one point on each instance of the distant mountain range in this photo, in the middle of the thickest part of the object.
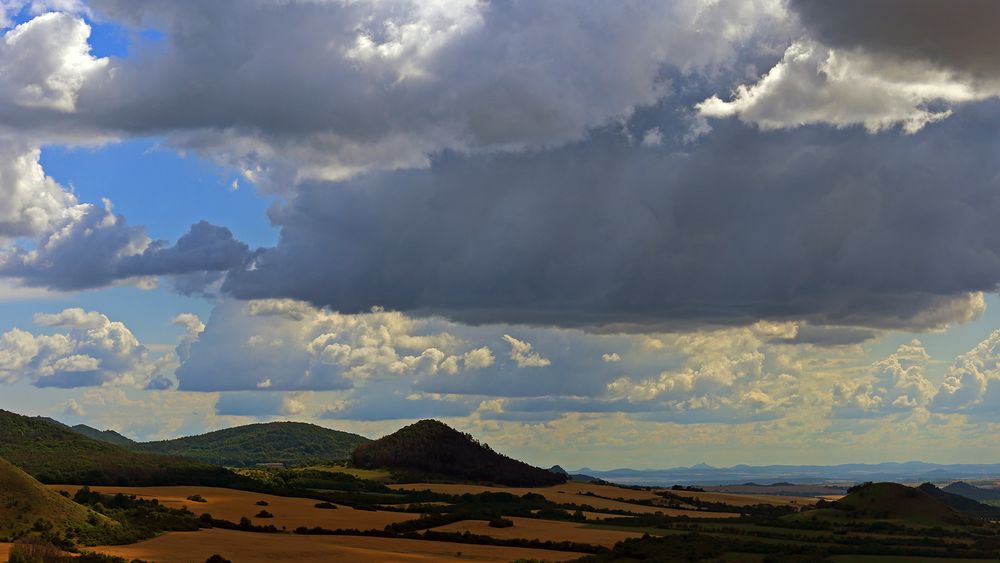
(703, 474)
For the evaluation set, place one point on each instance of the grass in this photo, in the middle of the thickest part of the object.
(377, 475)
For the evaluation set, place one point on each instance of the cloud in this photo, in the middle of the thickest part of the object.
(365, 85)
(896, 384)
(809, 225)
(87, 349)
(31, 203)
(813, 84)
(853, 71)
(286, 345)
(96, 247)
(972, 384)
(957, 35)
(260, 405)
(522, 353)
(45, 62)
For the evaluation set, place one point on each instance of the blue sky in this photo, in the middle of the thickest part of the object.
(687, 233)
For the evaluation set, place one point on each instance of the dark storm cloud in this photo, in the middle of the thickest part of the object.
(958, 34)
(834, 227)
(98, 248)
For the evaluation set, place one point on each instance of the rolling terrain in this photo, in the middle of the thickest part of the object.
(52, 453)
(430, 493)
(289, 443)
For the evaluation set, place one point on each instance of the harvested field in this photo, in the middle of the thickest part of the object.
(544, 530)
(230, 504)
(733, 499)
(247, 547)
(576, 494)
(5, 551)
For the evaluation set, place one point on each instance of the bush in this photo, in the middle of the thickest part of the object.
(326, 505)
(264, 514)
(217, 559)
(197, 498)
(263, 503)
(34, 552)
(501, 523)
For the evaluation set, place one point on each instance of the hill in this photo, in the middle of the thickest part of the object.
(973, 492)
(292, 443)
(886, 502)
(109, 436)
(433, 449)
(52, 453)
(24, 502)
(962, 504)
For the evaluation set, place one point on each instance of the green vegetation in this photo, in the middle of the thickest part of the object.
(52, 453)
(290, 443)
(890, 502)
(431, 449)
(29, 509)
(109, 436)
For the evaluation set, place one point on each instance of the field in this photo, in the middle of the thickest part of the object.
(599, 497)
(229, 504)
(734, 499)
(244, 547)
(530, 528)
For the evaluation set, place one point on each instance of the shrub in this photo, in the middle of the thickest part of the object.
(501, 523)
(197, 498)
(34, 552)
(217, 559)
(263, 503)
(264, 514)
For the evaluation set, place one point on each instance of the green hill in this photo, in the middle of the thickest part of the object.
(28, 507)
(432, 449)
(292, 443)
(886, 502)
(52, 453)
(109, 436)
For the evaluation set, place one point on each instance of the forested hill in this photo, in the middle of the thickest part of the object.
(435, 449)
(53, 453)
(109, 436)
(292, 443)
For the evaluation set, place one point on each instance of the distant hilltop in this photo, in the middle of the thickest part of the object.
(704, 474)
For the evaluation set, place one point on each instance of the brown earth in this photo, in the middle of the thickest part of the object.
(248, 547)
(534, 529)
(576, 494)
(230, 504)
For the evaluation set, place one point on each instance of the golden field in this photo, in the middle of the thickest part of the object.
(600, 497)
(230, 504)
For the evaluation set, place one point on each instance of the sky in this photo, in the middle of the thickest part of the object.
(632, 234)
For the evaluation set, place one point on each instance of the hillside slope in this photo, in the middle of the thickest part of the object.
(52, 453)
(292, 443)
(962, 504)
(24, 502)
(109, 436)
(971, 491)
(433, 449)
(887, 502)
